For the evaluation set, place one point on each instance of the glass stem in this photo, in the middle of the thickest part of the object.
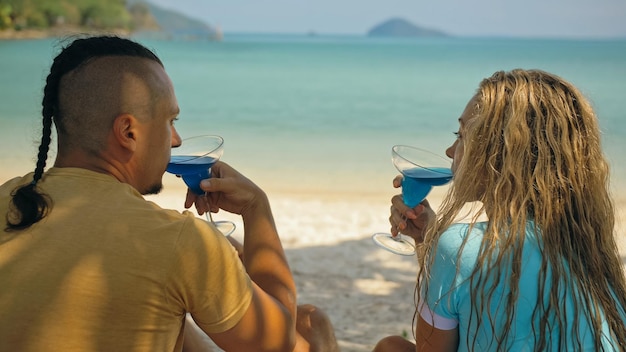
(208, 215)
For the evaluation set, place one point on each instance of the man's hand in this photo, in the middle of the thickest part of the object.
(226, 189)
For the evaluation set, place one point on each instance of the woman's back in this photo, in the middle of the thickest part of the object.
(544, 273)
(528, 152)
(473, 297)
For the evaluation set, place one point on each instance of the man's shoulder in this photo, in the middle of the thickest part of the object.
(8, 186)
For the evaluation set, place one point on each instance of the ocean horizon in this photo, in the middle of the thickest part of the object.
(312, 120)
(320, 113)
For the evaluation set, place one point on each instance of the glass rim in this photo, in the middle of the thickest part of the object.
(181, 148)
(447, 162)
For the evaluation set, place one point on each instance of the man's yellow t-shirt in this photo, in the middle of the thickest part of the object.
(107, 270)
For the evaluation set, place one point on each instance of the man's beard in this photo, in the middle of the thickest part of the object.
(154, 189)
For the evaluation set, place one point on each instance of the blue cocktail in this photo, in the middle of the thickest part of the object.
(421, 171)
(418, 182)
(192, 169)
(192, 161)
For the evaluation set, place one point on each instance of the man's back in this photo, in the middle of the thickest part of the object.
(107, 270)
(87, 264)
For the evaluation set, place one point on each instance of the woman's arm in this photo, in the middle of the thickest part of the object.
(429, 338)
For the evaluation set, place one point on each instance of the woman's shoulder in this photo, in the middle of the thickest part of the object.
(460, 232)
(468, 238)
(461, 237)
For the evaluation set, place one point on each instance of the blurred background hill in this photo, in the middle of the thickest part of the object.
(45, 18)
(400, 27)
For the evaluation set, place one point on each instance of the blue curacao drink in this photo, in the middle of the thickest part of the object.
(418, 182)
(192, 169)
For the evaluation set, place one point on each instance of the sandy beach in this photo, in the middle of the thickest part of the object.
(366, 291)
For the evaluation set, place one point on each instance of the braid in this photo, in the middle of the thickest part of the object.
(27, 201)
(49, 105)
(28, 205)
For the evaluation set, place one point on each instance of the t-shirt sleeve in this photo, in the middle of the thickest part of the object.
(448, 274)
(210, 278)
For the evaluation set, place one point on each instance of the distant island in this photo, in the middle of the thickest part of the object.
(43, 18)
(398, 27)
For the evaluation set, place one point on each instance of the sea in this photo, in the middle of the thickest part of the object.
(312, 120)
(320, 113)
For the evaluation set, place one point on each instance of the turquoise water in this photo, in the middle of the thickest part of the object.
(322, 113)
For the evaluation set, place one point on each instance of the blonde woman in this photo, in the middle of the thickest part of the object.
(543, 273)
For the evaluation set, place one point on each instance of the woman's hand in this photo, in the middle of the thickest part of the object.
(412, 222)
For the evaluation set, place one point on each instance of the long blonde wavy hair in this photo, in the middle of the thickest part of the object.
(532, 152)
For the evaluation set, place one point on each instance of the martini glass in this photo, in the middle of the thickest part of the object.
(421, 171)
(192, 161)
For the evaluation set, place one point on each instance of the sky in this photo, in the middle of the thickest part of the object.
(519, 18)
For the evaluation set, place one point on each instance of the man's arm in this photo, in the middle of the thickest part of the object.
(269, 322)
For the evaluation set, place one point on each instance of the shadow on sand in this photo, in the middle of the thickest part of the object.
(366, 291)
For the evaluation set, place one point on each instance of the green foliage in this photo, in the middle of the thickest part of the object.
(42, 14)
(5, 16)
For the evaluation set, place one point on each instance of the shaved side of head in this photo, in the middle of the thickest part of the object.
(95, 93)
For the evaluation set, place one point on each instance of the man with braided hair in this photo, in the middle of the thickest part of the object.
(87, 264)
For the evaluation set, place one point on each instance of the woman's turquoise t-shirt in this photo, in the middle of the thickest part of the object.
(449, 301)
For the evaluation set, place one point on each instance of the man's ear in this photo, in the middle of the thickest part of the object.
(125, 131)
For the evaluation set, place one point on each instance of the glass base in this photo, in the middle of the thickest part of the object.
(225, 227)
(401, 244)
